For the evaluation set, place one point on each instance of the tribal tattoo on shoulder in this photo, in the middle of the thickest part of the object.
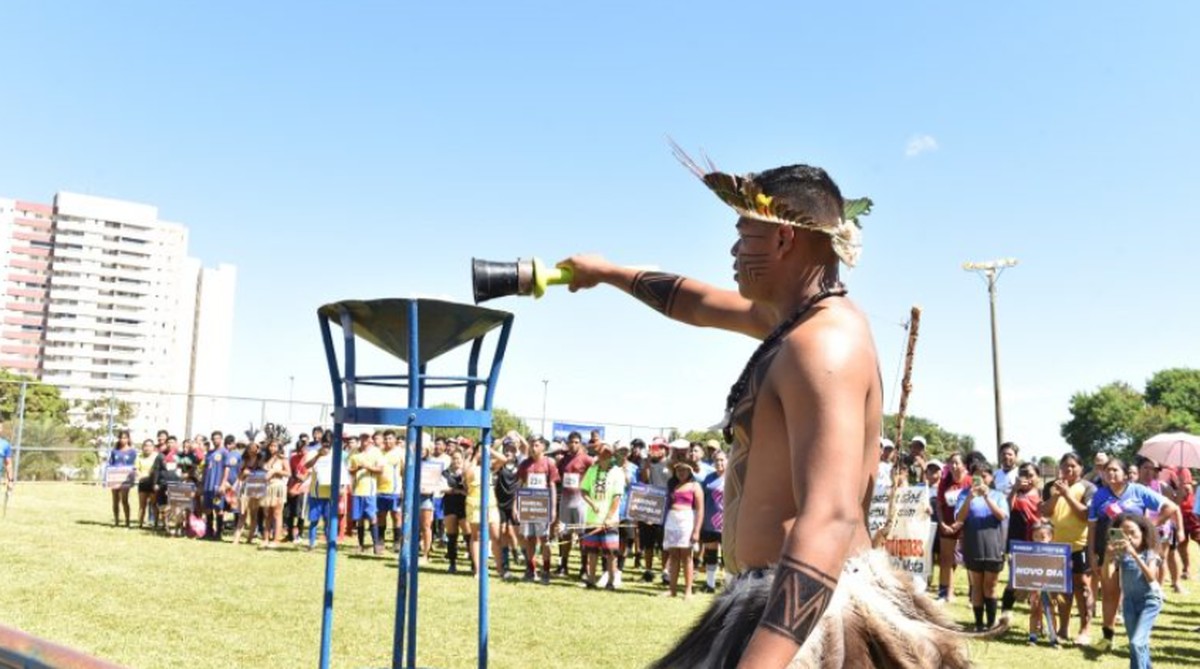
(798, 599)
(657, 290)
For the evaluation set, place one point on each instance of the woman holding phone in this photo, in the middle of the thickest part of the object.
(1119, 496)
(980, 514)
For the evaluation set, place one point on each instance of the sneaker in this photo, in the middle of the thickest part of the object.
(545, 578)
(708, 589)
(528, 577)
(1032, 639)
(603, 581)
(616, 580)
(1105, 645)
(560, 570)
(506, 576)
(666, 578)
(453, 569)
(648, 576)
(588, 585)
(1082, 640)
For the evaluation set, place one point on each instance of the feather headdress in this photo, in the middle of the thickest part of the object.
(747, 198)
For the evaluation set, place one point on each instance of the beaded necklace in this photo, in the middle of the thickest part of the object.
(738, 390)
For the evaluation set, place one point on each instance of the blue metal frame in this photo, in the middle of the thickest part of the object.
(414, 417)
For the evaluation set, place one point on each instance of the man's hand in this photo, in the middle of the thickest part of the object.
(587, 271)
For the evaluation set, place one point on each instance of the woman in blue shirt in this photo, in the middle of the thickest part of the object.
(124, 455)
(981, 513)
(1118, 496)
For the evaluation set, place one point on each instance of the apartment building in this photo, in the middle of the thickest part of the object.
(105, 302)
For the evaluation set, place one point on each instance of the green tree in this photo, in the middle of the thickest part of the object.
(91, 428)
(705, 435)
(41, 400)
(1177, 392)
(503, 421)
(939, 442)
(40, 440)
(1111, 419)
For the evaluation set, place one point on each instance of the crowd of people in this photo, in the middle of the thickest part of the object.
(1128, 526)
(277, 493)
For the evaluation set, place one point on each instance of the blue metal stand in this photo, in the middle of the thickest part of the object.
(415, 331)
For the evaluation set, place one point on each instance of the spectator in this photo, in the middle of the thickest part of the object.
(454, 504)
(1191, 525)
(1042, 532)
(297, 490)
(124, 455)
(166, 466)
(655, 472)
(1139, 564)
(696, 455)
(505, 489)
(980, 512)
(538, 472)
(321, 495)
(146, 468)
(6, 462)
(887, 449)
(252, 472)
(1066, 501)
(681, 531)
(628, 529)
(1118, 496)
(572, 507)
(390, 499)
(366, 465)
(714, 520)
(1024, 503)
(1006, 474)
(1167, 544)
(278, 473)
(1099, 462)
(602, 487)
(954, 480)
(474, 478)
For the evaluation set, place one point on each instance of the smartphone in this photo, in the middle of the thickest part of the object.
(1115, 534)
(976, 481)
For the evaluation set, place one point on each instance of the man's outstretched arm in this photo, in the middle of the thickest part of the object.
(823, 399)
(683, 299)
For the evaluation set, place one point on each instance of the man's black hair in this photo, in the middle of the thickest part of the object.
(805, 189)
(574, 435)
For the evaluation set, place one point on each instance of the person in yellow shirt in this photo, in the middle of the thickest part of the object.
(366, 466)
(1065, 503)
(390, 499)
(473, 477)
(322, 503)
(144, 466)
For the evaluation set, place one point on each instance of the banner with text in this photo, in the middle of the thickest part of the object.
(533, 505)
(647, 503)
(910, 543)
(560, 431)
(1041, 567)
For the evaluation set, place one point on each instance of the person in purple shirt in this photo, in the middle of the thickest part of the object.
(1118, 495)
(124, 455)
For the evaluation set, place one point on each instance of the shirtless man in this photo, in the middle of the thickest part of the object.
(810, 396)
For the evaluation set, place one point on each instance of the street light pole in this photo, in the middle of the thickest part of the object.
(545, 391)
(991, 271)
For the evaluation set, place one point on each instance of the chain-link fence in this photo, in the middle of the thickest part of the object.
(69, 440)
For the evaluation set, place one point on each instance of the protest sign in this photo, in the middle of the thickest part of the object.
(533, 505)
(119, 476)
(432, 481)
(1040, 567)
(256, 485)
(909, 543)
(647, 503)
(180, 495)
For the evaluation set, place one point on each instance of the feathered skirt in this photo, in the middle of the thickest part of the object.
(876, 618)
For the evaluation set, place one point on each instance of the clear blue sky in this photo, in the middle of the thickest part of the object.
(334, 152)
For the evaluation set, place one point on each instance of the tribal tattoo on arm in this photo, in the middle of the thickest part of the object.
(800, 595)
(657, 290)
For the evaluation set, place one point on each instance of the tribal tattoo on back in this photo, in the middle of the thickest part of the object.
(657, 290)
(800, 596)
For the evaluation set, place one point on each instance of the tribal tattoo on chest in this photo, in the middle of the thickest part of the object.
(798, 599)
(657, 290)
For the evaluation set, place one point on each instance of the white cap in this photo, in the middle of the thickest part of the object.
(680, 444)
(884, 442)
(918, 438)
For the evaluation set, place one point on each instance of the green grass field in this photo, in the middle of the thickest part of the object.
(143, 600)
